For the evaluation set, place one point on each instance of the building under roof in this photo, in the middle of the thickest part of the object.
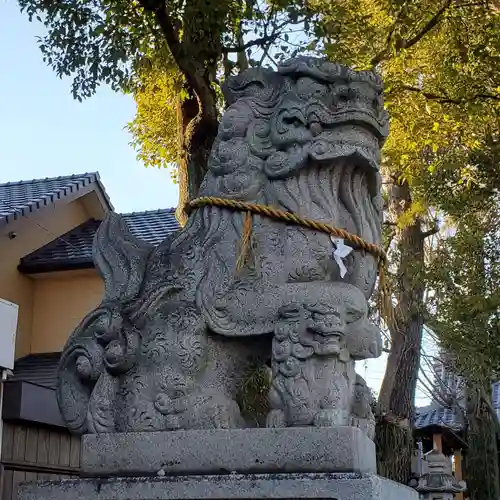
(69, 251)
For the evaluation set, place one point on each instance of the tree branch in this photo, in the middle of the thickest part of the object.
(430, 232)
(265, 50)
(158, 8)
(242, 57)
(445, 99)
(192, 70)
(406, 44)
(433, 392)
(253, 43)
(378, 58)
(433, 22)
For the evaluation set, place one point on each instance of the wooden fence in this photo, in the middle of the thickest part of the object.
(31, 453)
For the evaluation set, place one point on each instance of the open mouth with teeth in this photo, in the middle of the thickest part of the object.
(320, 135)
(349, 138)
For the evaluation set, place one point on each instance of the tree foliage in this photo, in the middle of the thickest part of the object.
(465, 306)
(440, 65)
(464, 312)
(172, 53)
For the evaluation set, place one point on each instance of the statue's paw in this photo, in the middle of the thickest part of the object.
(276, 419)
(330, 418)
(167, 405)
(217, 412)
(364, 340)
(199, 411)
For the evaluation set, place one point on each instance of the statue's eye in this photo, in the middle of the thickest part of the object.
(353, 315)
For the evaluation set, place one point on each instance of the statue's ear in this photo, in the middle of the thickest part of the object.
(120, 257)
(262, 84)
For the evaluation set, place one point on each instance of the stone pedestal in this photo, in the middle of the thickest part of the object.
(335, 486)
(291, 449)
(291, 463)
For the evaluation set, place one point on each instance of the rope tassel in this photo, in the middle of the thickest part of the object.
(385, 305)
(246, 239)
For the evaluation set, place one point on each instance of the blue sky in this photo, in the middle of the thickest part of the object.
(46, 133)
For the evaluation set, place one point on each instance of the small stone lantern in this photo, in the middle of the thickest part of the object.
(437, 482)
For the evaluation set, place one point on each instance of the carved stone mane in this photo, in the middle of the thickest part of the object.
(178, 325)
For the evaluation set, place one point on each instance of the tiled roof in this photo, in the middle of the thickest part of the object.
(437, 415)
(40, 369)
(152, 226)
(18, 199)
(74, 249)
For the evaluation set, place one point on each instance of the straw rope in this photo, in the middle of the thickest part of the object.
(291, 218)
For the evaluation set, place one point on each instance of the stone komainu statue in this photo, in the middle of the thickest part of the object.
(179, 323)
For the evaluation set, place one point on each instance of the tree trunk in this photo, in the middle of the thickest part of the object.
(196, 46)
(197, 133)
(202, 49)
(481, 459)
(397, 394)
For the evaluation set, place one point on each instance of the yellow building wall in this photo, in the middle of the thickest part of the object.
(31, 233)
(60, 303)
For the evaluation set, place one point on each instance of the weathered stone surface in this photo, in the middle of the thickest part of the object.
(233, 486)
(300, 449)
(180, 324)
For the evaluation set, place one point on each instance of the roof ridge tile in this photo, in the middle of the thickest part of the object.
(48, 179)
(19, 197)
(146, 212)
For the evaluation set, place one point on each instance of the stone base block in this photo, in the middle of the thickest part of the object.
(296, 449)
(333, 486)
